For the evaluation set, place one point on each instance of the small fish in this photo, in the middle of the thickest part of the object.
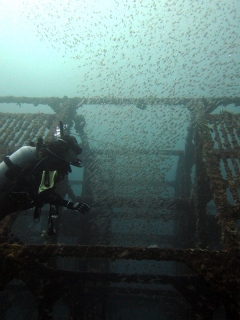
(141, 106)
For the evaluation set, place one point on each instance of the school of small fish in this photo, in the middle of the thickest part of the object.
(143, 48)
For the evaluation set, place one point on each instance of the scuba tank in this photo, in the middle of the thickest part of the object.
(14, 163)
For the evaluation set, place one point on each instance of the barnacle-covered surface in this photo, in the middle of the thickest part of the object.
(209, 104)
(220, 150)
(18, 129)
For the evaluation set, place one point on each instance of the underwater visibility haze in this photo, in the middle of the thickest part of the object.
(153, 79)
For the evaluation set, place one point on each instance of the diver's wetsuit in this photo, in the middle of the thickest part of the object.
(23, 192)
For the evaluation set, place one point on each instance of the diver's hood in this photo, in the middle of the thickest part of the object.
(69, 142)
(75, 163)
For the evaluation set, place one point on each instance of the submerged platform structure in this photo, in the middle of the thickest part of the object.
(101, 268)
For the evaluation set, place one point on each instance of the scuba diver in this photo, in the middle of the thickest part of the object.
(29, 176)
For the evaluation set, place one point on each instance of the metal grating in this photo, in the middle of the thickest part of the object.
(221, 151)
(17, 130)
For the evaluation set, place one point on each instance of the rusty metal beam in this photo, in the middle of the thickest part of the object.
(220, 269)
(154, 202)
(125, 152)
(210, 103)
(202, 194)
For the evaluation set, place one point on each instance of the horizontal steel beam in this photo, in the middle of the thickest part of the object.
(139, 102)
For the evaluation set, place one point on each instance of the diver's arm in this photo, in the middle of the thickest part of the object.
(51, 197)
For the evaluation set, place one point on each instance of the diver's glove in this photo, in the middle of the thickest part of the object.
(80, 207)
